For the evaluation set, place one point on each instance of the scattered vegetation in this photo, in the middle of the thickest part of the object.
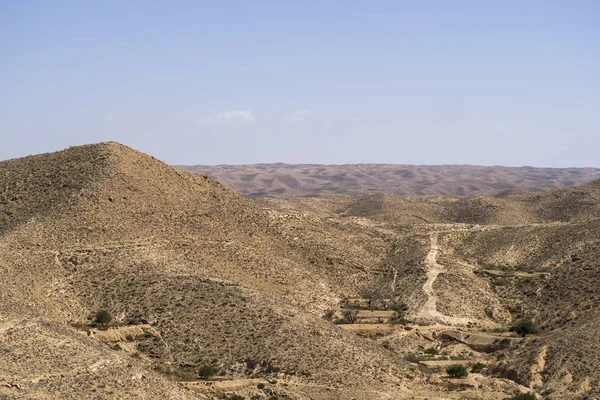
(329, 314)
(400, 308)
(207, 371)
(350, 316)
(398, 321)
(464, 355)
(398, 317)
(372, 291)
(102, 317)
(432, 351)
(500, 282)
(411, 357)
(477, 368)
(523, 396)
(182, 375)
(457, 371)
(236, 397)
(525, 328)
(526, 282)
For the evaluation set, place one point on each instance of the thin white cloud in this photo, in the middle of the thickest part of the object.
(296, 116)
(354, 120)
(108, 118)
(498, 127)
(225, 116)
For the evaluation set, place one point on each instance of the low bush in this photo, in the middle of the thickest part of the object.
(432, 351)
(457, 371)
(207, 371)
(527, 282)
(478, 367)
(523, 396)
(400, 308)
(350, 316)
(102, 317)
(398, 321)
(527, 327)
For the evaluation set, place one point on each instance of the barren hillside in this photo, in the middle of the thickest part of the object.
(212, 294)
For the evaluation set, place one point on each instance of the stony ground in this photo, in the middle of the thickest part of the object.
(212, 294)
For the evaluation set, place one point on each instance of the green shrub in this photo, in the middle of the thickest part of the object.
(411, 357)
(206, 371)
(523, 396)
(350, 316)
(102, 317)
(500, 282)
(478, 367)
(398, 321)
(457, 371)
(432, 351)
(236, 397)
(460, 357)
(524, 328)
(260, 386)
(527, 281)
(400, 308)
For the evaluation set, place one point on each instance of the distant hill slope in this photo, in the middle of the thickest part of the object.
(285, 180)
(511, 207)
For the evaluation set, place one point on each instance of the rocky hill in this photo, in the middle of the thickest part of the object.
(211, 294)
(288, 180)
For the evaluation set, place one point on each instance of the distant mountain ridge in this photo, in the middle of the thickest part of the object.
(280, 180)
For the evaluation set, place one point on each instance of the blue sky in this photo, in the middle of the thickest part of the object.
(210, 82)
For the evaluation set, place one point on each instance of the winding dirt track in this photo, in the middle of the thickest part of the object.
(428, 313)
